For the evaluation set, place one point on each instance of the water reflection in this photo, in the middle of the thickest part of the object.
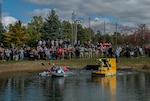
(107, 85)
(53, 88)
(133, 87)
(124, 87)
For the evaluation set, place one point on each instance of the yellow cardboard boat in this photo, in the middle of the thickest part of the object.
(107, 69)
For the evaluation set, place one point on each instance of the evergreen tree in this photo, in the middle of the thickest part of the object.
(52, 27)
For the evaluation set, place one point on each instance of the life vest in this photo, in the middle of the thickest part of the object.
(64, 68)
(48, 70)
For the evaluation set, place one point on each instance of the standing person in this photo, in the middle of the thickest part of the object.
(108, 64)
(117, 54)
(1, 51)
(21, 54)
(2, 54)
(7, 54)
(101, 64)
(47, 53)
(32, 55)
(110, 51)
(16, 55)
(59, 52)
(40, 42)
(127, 51)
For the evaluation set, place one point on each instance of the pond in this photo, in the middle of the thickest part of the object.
(125, 86)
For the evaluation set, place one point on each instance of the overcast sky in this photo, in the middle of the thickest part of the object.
(127, 13)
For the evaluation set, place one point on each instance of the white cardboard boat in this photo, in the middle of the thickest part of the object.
(55, 74)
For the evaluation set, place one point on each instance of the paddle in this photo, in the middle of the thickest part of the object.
(43, 64)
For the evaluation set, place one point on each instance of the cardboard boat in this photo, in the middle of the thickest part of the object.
(108, 69)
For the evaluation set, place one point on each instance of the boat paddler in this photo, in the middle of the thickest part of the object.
(53, 68)
(108, 64)
(101, 64)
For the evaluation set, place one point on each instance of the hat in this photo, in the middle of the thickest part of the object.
(99, 59)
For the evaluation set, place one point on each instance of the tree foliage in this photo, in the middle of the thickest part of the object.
(17, 34)
(67, 30)
(98, 37)
(2, 30)
(81, 33)
(34, 29)
(52, 27)
(141, 35)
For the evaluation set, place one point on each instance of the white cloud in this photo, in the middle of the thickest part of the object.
(126, 12)
(6, 20)
(39, 12)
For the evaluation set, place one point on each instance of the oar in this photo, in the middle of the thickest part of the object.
(47, 66)
(43, 64)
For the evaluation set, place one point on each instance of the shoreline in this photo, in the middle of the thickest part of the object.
(24, 67)
(36, 66)
(28, 66)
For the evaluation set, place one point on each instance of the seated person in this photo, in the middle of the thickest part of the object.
(60, 70)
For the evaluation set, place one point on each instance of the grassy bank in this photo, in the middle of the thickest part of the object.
(30, 66)
(135, 63)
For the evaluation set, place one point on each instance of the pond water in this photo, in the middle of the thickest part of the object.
(125, 86)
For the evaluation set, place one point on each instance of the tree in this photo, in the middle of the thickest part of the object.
(98, 37)
(66, 30)
(17, 34)
(142, 34)
(82, 33)
(33, 29)
(117, 39)
(108, 38)
(92, 34)
(2, 30)
(51, 28)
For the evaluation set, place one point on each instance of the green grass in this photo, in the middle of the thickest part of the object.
(123, 61)
(136, 63)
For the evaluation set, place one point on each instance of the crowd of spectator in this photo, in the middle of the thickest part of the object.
(65, 49)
